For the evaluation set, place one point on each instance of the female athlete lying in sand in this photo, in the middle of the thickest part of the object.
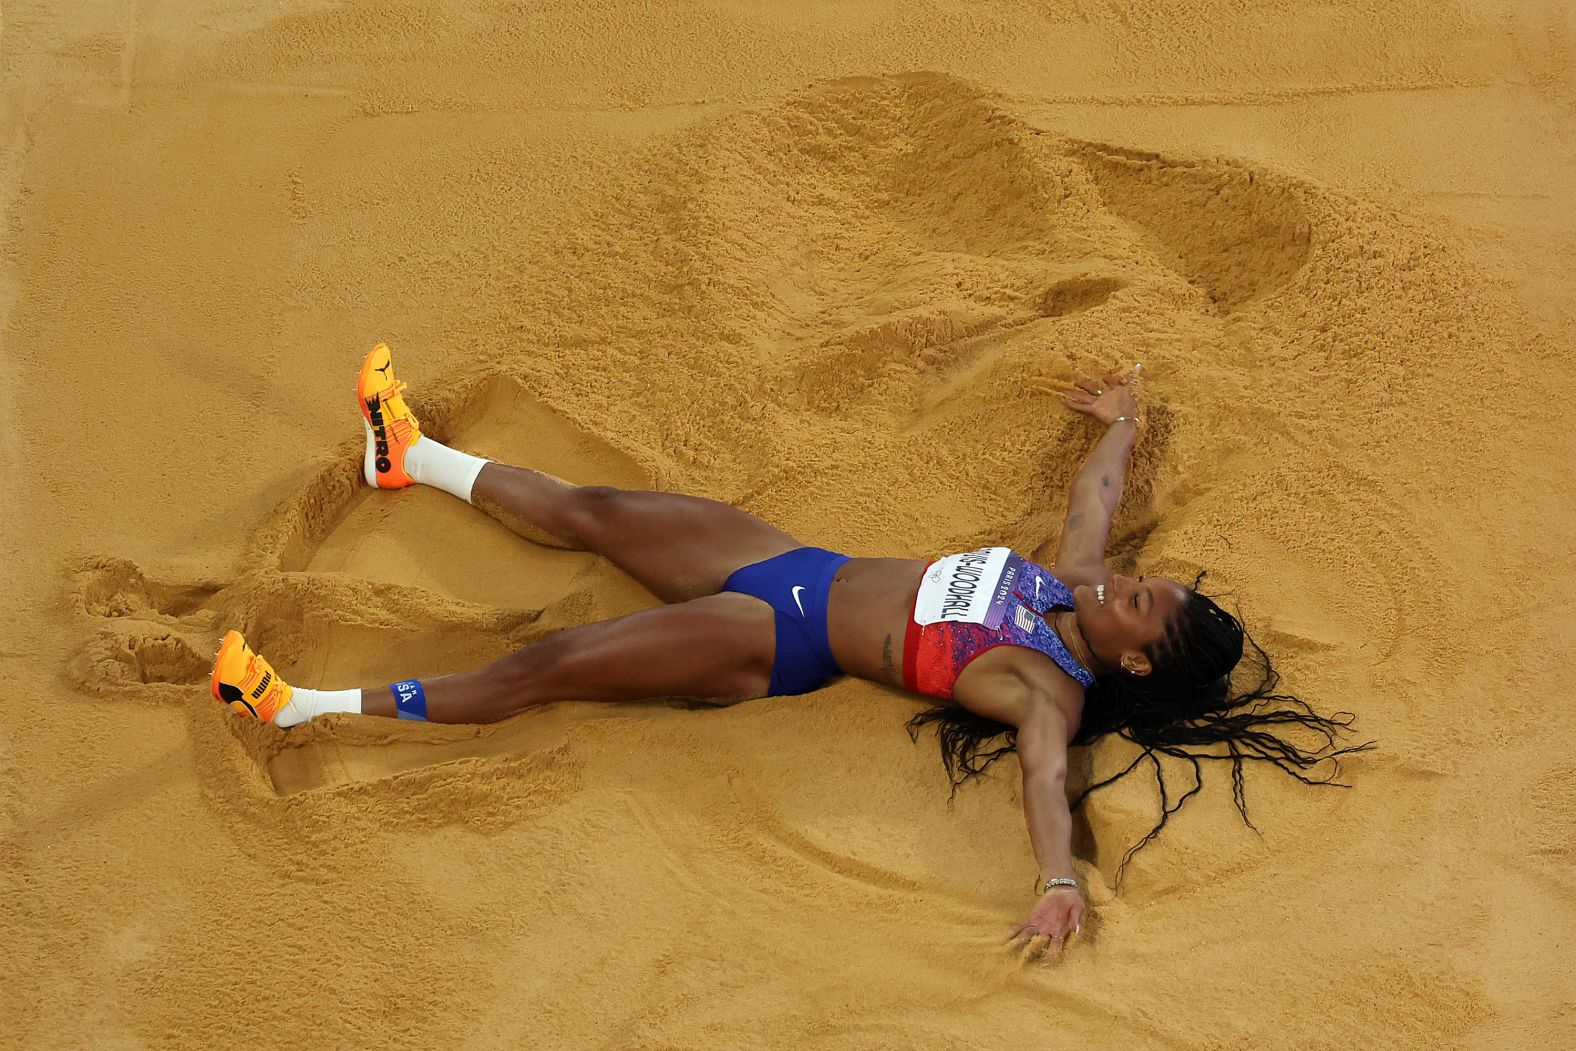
(1047, 657)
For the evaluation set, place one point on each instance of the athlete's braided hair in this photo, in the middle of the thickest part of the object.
(1187, 700)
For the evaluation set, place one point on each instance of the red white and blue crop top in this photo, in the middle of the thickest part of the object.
(976, 601)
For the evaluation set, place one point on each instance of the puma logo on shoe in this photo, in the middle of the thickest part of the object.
(379, 434)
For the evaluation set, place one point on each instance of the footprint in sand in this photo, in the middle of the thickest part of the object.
(1543, 847)
(996, 228)
(1217, 225)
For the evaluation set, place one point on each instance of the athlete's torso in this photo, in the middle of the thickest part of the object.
(867, 613)
(871, 605)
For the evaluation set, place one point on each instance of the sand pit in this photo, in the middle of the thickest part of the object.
(826, 264)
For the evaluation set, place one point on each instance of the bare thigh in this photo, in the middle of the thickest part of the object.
(718, 649)
(680, 547)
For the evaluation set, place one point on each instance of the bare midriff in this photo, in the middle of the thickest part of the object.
(867, 615)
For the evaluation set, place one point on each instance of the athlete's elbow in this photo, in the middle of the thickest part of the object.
(1043, 765)
(1046, 775)
(1042, 748)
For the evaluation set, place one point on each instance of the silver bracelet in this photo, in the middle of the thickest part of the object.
(1058, 881)
(1130, 419)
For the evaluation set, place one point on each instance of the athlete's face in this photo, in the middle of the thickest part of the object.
(1126, 617)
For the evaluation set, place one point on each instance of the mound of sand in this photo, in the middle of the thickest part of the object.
(838, 301)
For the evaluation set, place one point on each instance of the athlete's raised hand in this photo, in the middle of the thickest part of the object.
(1106, 397)
(1056, 917)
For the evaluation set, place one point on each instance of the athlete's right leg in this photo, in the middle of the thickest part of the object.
(680, 547)
(718, 648)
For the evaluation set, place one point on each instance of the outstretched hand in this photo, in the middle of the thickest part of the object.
(1107, 397)
(1056, 917)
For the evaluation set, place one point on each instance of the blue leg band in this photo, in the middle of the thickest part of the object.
(410, 699)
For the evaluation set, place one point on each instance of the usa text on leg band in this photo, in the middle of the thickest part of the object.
(410, 700)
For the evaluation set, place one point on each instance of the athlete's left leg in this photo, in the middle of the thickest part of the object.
(680, 547)
(718, 648)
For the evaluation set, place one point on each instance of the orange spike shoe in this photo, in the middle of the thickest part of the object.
(391, 427)
(246, 682)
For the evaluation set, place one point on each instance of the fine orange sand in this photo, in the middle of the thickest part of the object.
(822, 261)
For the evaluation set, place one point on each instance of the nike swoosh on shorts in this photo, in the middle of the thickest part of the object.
(796, 589)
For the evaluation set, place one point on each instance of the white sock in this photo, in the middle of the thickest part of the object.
(435, 464)
(308, 704)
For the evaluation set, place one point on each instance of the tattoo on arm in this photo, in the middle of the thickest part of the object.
(886, 657)
(1074, 521)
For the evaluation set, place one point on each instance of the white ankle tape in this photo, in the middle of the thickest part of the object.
(309, 704)
(432, 463)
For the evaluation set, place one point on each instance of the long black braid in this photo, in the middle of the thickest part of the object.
(1188, 699)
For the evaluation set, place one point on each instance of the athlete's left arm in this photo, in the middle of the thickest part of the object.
(1043, 733)
(1042, 756)
(1041, 741)
(1097, 487)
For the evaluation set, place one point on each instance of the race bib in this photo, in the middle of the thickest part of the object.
(971, 588)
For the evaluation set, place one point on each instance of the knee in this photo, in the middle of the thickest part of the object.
(590, 508)
(527, 676)
(595, 496)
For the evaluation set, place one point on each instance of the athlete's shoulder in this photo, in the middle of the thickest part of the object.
(1007, 683)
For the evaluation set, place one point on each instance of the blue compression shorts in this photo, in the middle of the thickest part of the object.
(796, 585)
